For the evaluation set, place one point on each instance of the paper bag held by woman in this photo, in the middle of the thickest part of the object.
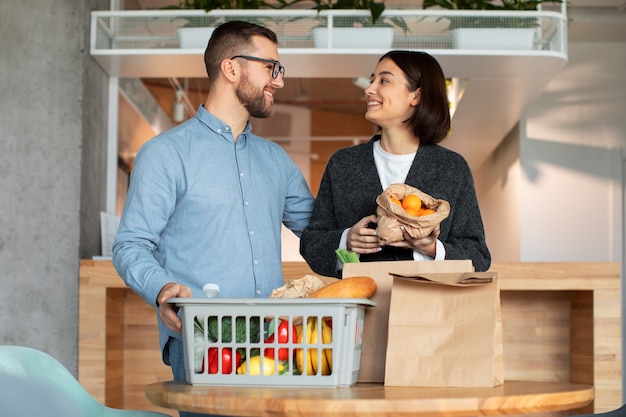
(391, 214)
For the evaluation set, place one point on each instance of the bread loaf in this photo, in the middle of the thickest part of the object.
(353, 287)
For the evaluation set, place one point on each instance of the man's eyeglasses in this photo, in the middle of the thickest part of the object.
(276, 69)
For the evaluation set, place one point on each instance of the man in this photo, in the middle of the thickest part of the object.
(207, 198)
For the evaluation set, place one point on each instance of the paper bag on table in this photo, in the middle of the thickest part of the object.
(445, 330)
(376, 320)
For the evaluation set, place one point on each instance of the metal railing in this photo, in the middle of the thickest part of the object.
(131, 32)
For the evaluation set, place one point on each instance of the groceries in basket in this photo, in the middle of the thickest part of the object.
(311, 363)
(274, 330)
(354, 287)
(245, 330)
(311, 286)
(403, 205)
(298, 287)
(249, 330)
(273, 342)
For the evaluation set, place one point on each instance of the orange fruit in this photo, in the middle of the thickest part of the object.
(412, 212)
(412, 202)
(395, 200)
(426, 212)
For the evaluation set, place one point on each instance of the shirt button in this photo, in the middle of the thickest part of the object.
(256, 262)
(219, 130)
(258, 292)
(251, 232)
(241, 174)
(245, 203)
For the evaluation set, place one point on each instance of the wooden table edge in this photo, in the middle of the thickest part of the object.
(372, 400)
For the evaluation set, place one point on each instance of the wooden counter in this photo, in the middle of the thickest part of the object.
(561, 322)
(372, 400)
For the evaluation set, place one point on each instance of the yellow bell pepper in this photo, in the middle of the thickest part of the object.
(255, 366)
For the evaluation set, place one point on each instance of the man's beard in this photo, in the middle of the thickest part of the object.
(252, 100)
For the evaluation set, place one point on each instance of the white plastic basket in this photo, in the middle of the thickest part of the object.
(318, 356)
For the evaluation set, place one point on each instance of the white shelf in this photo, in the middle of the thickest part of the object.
(144, 43)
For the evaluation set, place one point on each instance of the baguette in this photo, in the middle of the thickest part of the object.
(353, 287)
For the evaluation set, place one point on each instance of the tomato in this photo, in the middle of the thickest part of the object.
(283, 332)
(227, 360)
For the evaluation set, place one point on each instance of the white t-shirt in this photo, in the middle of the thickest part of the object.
(391, 168)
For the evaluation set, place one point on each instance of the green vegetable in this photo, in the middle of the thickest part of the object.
(240, 329)
(346, 256)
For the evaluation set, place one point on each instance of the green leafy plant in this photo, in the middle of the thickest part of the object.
(487, 22)
(208, 5)
(376, 9)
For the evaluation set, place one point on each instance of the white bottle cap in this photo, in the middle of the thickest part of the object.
(211, 290)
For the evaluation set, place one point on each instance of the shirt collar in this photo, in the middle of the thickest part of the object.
(215, 124)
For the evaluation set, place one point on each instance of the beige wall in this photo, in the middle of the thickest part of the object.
(497, 188)
(572, 157)
(553, 190)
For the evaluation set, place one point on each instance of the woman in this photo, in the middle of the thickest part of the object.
(407, 100)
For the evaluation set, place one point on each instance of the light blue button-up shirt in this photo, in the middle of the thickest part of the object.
(203, 208)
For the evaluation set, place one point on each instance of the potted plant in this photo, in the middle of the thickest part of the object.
(383, 29)
(487, 32)
(198, 29)
(376, 8)
(380, 32)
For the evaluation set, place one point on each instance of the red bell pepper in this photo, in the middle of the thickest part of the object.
(227, 361)
(283, 337)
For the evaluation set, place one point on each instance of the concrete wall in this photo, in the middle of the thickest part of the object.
(44, 66)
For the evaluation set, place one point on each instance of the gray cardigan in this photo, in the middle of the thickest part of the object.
(348, 192)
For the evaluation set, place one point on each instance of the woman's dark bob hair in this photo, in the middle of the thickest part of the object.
(431, 120)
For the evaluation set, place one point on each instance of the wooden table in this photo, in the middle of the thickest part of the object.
(372, 400)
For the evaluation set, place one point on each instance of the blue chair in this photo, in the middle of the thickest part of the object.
(47, 379)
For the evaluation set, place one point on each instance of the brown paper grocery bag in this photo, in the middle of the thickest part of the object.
(445, 330)
(391, 215)
(376, 320)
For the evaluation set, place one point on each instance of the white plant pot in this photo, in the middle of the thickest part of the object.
(494, 38)
(194, 38)
(371, 38)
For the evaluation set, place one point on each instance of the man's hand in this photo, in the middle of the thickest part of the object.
(168, 312)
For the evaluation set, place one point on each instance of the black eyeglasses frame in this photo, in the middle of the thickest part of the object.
(276, 69)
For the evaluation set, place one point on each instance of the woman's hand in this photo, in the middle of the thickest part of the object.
(426, 245)
(169, 312)
(362, 239)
